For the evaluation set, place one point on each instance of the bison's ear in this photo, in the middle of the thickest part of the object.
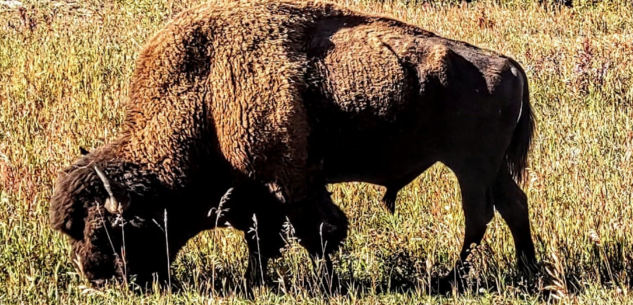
(83, 151)
(63, 213)
(68, 224)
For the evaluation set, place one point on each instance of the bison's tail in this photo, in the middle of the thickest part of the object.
(517, 153)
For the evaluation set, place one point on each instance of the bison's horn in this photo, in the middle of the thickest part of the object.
(112, 204)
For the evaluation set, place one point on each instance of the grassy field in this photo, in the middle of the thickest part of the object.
(64, 71)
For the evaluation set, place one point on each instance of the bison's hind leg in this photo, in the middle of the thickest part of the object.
(511, 202)
(474, 177)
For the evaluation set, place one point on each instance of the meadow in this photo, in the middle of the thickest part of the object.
(64, 72)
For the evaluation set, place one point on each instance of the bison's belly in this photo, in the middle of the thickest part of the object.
(370, 131)
(375, 156)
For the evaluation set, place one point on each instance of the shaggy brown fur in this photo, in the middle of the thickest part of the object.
(277, 98)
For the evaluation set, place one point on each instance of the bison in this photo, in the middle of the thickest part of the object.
(243, 112)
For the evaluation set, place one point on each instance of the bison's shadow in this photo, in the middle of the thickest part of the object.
(406, 273)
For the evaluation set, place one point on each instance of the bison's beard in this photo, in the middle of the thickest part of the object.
(135, 253)
(97, 255)
(96, 265)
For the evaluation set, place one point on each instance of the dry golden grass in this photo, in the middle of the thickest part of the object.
(64, 70)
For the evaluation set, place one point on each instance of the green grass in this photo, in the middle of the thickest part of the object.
(64, 71)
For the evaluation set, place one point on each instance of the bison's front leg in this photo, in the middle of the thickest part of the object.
(264, 242)
(321, 227)
(257, 263)
(253, 210)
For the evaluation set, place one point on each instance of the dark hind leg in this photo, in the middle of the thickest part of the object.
(478, 212)
(391, 194)
(321, 227)
(511, 202)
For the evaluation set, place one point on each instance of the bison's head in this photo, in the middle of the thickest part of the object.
(113, 213)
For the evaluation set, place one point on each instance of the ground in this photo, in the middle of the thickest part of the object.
(64, 71)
